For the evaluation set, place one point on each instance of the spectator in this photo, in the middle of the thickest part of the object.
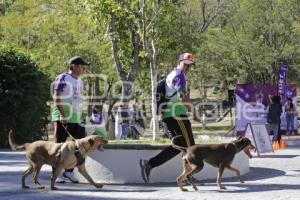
(124, 121)
(118, 123)
(137, 123)
(98, 122)
(45, 135)
(273, 117)
(289, 116)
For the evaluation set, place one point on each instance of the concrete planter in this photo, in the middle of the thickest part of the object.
(120, 164)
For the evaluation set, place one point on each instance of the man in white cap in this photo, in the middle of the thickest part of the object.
(175, 115)
(66, 113)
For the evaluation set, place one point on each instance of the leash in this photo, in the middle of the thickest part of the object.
(68, 132)
(76, 143)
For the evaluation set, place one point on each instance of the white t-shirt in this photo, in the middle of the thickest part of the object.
(71, 89)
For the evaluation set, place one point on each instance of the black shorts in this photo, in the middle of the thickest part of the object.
(60, 134)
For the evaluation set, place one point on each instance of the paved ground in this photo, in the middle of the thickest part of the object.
(274, 177)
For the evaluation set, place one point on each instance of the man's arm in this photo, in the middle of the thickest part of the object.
(185, 99)
(57, 102)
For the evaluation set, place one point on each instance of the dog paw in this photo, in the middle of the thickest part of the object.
(183, 189)
(241, 181)
(195, 188)
(40, 187)
(53, 188)
(222, 188)
(25, 187)
(98, 185)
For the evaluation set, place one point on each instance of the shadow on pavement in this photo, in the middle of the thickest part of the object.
(14, 163)
(45, 195)
(259, 187)
(258, 173)
(277, 156)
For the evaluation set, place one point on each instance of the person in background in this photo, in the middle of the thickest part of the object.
(273, 117)
(118, 122)
(45, 135)
(289, 116)
(136, 123)
(124, 121)
(97, 121)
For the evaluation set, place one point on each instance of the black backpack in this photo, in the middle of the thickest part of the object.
(161, 96)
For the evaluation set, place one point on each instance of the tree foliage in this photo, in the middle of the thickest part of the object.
(253, 41)
(235, 41)
(24, 91)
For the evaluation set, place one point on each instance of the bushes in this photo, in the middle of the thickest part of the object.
(24, 91)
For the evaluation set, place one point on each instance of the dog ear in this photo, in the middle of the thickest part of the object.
(91, 141)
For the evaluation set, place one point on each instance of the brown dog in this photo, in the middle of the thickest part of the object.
(59, 155)
(217, 155)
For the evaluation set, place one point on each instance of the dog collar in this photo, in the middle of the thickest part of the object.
(236, 149)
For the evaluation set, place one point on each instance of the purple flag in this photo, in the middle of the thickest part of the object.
(281, 86)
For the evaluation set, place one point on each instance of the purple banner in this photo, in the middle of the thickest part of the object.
(252, 101)
(281, 86)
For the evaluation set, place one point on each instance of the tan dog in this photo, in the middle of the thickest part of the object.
(58, 155)
(217, 155)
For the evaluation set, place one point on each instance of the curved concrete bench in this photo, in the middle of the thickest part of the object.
(120, 164)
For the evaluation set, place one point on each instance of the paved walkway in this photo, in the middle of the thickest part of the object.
(274, 177)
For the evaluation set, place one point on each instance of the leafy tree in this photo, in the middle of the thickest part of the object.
(34, 25)
(24, 91)
(120, 18)
(54, 31)
(252, 42)
(4, 6)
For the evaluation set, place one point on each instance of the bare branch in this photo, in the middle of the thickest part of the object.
(113, 32)
(136, 49)
(210, 17)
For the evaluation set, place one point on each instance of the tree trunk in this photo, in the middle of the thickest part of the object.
(90, 100)
(153, 89)
(144, 107)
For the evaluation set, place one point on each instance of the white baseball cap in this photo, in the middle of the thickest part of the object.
(186, 58)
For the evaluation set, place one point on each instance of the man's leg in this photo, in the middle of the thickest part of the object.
(175, 127)
(275, 130)
(60, 135)
(288, 124)
(77, 132)
(279, 131)
(124, 131)
(292, 124)
(187, 130)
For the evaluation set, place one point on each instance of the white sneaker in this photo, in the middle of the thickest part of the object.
(71, 177)
(60, 179)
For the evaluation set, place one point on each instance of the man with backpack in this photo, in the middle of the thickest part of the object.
(172, 105)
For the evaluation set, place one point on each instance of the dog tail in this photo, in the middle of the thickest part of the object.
(176, 146)
(12, 143)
